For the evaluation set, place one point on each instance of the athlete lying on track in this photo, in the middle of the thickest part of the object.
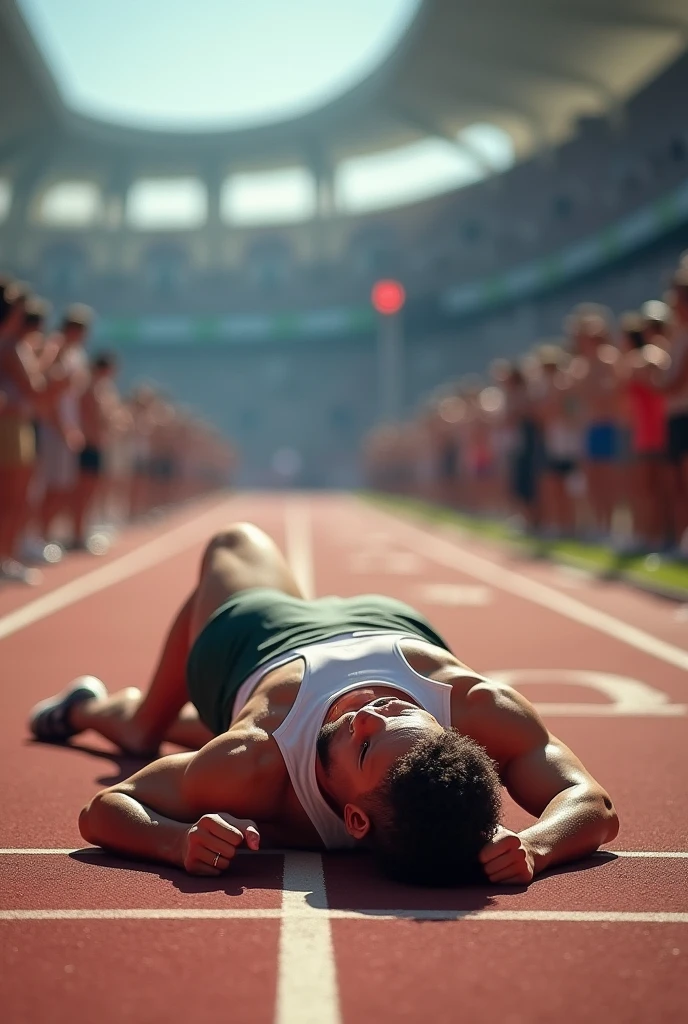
(326, 723)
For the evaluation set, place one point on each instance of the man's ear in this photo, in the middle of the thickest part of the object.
(357, 822)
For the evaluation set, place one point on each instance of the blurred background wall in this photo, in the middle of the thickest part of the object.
(502, 161)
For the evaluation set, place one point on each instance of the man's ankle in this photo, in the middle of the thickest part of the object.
(80, 715)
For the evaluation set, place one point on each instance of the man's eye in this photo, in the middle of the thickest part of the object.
(364, 751)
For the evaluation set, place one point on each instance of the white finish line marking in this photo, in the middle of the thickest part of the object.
(41, 851)
(309, 1009)
(147, 555)
(448, 553)
(299, 549)
(307, 976)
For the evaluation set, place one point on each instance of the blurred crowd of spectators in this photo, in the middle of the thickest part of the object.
(585, 436)
(76, 457)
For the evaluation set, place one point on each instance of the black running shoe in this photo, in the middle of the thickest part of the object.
(49, 720)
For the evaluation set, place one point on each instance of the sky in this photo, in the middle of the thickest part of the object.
(204, 64)
(198, 63)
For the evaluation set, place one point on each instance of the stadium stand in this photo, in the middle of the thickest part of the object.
(268, 329)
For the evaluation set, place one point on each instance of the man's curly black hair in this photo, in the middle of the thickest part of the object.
(436, 808)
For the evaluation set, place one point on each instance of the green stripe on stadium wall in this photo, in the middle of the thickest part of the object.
(174, 329)
(626, 236)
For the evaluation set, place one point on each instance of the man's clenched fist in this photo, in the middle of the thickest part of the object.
(507, 859)
(211, 844)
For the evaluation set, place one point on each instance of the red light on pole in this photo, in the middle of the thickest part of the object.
(388, 297)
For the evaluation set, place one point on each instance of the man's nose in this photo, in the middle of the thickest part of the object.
(367, 722)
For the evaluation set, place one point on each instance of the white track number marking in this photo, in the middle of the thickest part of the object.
(626, 697)
(387, 563)
(455, 595)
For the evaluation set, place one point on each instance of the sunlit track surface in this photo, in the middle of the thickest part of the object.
(289, 937)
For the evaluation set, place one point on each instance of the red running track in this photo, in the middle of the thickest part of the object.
(300, 938)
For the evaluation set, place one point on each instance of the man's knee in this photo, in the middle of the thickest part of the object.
(239, 538)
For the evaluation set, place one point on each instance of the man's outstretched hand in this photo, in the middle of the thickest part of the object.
(211, 844)
(507, 859)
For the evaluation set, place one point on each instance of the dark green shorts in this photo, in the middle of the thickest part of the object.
(257, 625)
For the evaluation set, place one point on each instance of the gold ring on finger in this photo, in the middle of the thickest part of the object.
(217, 857)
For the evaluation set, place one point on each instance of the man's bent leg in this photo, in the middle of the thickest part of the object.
(188, 730)
(138, 724)
(241, 557)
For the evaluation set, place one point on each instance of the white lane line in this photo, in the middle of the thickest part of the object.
(139, 914)
(298, 544)
(149, 554)
(447, 553)
(311, 1009)
(307, 976)
(573, 916)
(40, 851)
(667, 854)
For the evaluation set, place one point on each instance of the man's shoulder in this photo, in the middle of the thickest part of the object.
(243, 769)
(501, 719)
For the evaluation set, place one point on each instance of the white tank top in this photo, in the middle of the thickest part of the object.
(333, 668)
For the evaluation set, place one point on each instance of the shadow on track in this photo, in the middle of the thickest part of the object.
(591, 863)
(363, 891)
(124, 764)
(263, 871)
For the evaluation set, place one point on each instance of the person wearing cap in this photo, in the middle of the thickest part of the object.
(561, 440)
(21, 386)
(639, 369)
(597, 392)
(61, 436)
(525, 458)
(675, 388)
(99, 411)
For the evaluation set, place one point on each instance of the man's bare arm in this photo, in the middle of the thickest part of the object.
(143, 816)
(576, 815)
(156, 814)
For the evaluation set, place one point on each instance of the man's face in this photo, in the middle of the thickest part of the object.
(360, 740)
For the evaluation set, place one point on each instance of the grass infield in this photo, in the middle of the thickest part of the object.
(653, 572)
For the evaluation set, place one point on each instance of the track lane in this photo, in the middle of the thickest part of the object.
(383, 971)
(523, 971)
(517, 973)
(85, 880)
(139, 972)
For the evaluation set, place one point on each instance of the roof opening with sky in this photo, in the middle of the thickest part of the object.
(212, 63)
(219, 65)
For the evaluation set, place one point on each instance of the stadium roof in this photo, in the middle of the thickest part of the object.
(531, 66)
